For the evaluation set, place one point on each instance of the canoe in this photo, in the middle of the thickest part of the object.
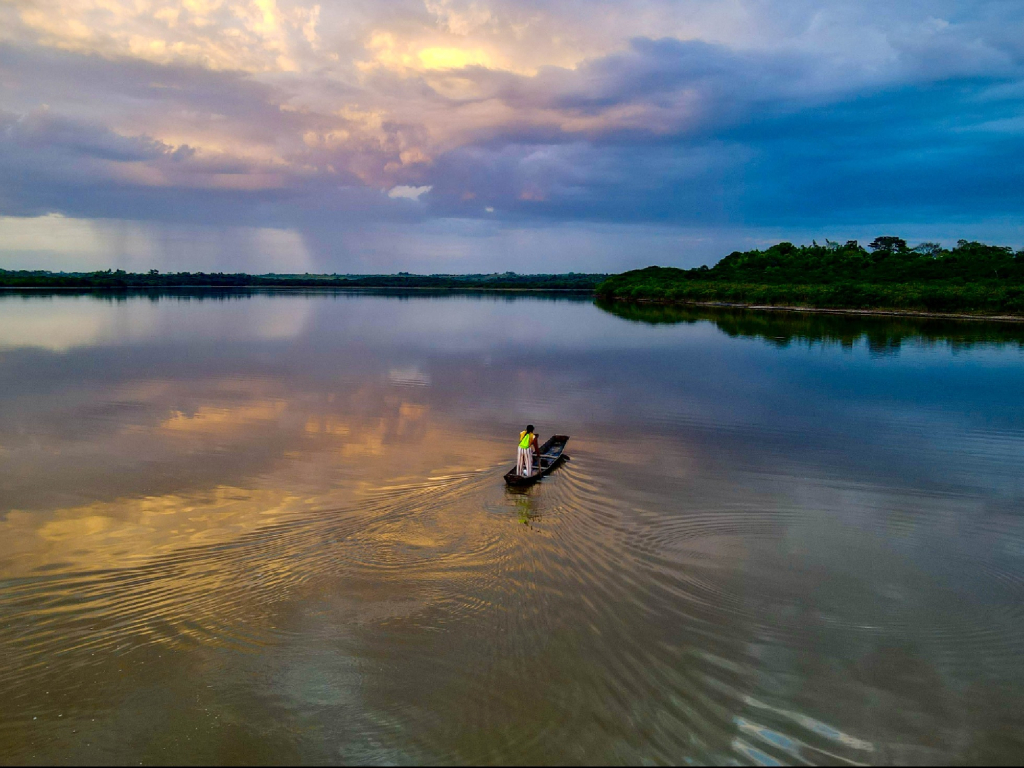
(551, 456)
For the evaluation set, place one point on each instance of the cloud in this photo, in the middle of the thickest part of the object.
(248, 35)
(409, 193)
(294, 116)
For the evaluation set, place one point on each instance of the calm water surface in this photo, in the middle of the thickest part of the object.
(272, 528)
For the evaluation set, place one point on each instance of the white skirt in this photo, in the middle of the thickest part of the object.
(524, 462)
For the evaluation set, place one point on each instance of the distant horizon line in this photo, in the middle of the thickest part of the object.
(330, 275)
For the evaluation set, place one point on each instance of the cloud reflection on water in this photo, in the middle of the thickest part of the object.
(312, 523)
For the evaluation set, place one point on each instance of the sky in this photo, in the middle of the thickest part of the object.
(452, 136)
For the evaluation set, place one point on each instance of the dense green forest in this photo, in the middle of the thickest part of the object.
(119, 279)
(970, 278)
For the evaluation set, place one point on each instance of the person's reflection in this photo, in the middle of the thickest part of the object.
(525, 505)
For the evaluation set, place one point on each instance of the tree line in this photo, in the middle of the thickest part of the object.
(119, 279)
(970, 277)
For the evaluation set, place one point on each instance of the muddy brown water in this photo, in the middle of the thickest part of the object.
(268, 528)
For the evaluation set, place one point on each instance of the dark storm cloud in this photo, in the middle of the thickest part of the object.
(75, 140)
(949, 149)
(945, 149)
(756, 138)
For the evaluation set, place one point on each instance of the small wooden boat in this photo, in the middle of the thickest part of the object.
(551, 456)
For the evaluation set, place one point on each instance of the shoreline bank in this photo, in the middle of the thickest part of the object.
(880, 311)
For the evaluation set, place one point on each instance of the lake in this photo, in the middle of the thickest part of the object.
(270, 528)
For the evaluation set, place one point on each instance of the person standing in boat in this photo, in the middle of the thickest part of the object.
(528, 448)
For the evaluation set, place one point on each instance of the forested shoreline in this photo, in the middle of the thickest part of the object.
(888, 274)
(971, 278)
(119, 279)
